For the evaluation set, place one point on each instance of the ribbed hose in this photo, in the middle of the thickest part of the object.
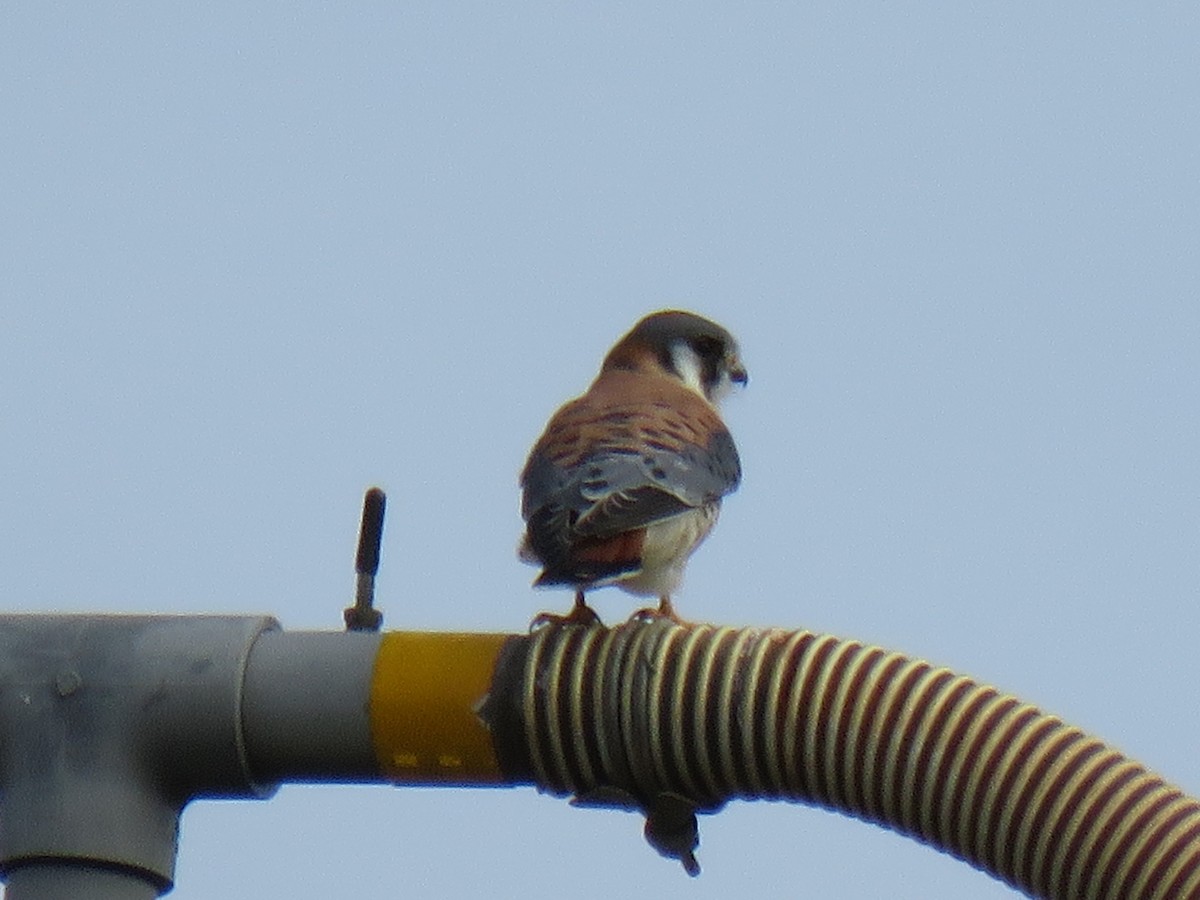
(664, 714)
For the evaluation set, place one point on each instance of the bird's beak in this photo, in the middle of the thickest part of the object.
(737, 373)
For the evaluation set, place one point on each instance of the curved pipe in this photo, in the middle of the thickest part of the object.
(663, 717)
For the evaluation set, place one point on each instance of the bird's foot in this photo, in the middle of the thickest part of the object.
(664, 610)
(580, 616)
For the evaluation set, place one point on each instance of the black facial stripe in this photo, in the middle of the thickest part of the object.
(711, 374)
(711, 351)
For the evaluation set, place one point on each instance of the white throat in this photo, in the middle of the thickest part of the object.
(690, 367)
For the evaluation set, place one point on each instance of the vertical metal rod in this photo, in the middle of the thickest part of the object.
(363, 616)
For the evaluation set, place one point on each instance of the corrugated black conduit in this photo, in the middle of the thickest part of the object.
(673, 719)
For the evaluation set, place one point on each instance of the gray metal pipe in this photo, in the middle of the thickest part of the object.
(65, 881)
(305, 712)
(109, 725)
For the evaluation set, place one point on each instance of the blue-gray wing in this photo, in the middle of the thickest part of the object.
(618, 489)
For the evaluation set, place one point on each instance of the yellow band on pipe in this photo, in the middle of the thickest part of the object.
(424, 693)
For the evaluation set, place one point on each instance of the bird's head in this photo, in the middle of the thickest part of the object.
(696, 351)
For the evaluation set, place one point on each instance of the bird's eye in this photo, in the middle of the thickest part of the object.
(709, 347)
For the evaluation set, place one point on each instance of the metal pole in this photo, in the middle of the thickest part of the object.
(58, 881)
(108, 726)
(304, 706)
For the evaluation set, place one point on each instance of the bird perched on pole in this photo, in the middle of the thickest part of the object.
(627, 480)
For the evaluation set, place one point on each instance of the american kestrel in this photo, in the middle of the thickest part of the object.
(627, 480)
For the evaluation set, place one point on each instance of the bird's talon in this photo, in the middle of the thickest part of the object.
(663, 612)
(580, 616)
(646, 614)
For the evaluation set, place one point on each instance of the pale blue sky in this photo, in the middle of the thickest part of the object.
(253, 260)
